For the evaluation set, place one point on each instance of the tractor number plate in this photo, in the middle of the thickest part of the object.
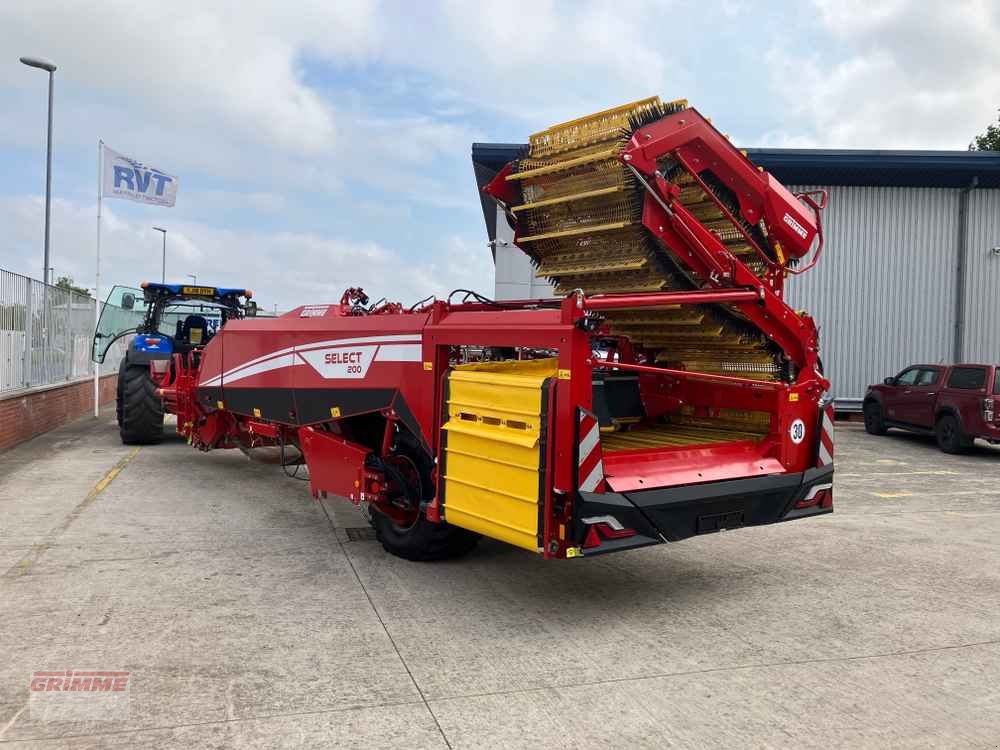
(202, 291)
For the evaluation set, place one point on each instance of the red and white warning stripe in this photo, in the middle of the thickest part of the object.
(825, 457)
(590, 463)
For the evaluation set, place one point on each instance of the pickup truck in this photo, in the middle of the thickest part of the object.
(955, 403)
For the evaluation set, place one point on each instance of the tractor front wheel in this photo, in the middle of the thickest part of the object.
(140, 408)
(403, 528)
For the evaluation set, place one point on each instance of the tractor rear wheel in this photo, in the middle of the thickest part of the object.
(403, 528)
(119, 398)
(140, 408)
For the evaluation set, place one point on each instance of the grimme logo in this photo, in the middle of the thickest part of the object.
(796, 227)
(79, 694)
(314, 311)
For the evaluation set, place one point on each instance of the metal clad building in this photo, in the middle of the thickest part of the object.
(911, 268)
(883, 294)
(982, 321)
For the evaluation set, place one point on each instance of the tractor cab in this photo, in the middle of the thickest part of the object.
(170, 324)
(167, 318)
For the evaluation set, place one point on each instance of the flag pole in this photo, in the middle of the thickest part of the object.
(97, 280)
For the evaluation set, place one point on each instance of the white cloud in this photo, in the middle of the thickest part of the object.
(541, 60)
(285, 268)
(361, 113)
(221, 64)
(910, 74)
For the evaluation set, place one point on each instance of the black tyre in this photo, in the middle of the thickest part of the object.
(140, 420)
(410, 535)
(950, 437)
(120, 397)
(874, 422)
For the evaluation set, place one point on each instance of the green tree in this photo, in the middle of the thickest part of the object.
(988, 141)
(66, 282)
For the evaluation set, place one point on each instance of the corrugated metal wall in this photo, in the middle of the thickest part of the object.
(515, 275)
(982, 290)
(883, 293)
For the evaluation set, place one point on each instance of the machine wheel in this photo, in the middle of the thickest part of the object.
(120, 397)
(408, 533)
(140, 419)
(949, 435)
(874, 424)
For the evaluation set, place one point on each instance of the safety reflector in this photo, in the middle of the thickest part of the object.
(820, 494)
(589, 458)
(825, 453)
(610, 529)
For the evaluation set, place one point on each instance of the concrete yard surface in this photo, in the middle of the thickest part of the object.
(246, 614)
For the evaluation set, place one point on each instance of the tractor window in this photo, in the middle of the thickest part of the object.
(173, 317)
(122, 312)
(967, 378)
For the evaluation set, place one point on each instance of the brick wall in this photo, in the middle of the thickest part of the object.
(22, 416)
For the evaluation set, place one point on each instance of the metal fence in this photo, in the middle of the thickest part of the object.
(46, 335)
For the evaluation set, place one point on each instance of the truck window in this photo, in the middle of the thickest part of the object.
(996, 382)
(967, 378)
(928, 377)
(908, 377)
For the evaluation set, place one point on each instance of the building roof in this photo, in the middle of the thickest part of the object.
(487, 160)
(801, 166)
(950, 169)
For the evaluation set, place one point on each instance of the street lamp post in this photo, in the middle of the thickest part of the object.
(194, 279)
(43, 64)
(163, 271)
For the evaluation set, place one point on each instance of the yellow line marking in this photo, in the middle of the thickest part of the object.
(38, 549)
(10, 723)
(888, 495)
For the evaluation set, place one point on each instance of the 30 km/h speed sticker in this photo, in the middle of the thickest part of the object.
(797, 431)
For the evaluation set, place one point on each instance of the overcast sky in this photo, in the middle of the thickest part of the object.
(325, 143)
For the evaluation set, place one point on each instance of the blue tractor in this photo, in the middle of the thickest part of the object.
(164, 320)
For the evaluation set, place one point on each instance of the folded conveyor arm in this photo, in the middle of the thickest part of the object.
(650, 197)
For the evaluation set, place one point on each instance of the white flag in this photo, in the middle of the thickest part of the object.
(135, 181)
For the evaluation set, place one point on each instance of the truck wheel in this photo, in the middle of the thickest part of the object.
(949, 435)
(141, 420)
(407, 533)
(874, 424)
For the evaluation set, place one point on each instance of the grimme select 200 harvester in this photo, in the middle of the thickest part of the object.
(669, 392)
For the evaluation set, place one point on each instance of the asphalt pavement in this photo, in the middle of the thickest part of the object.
(247, 614)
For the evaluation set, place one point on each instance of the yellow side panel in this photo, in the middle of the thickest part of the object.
(493, 455)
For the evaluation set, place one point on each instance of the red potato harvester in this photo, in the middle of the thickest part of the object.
(669, 391)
